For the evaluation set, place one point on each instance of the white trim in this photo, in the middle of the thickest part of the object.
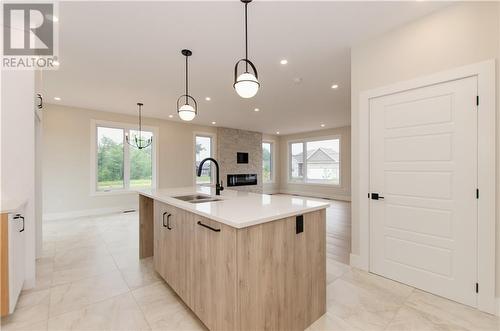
(213, 152)
(485, 72)
(93, 156)
(269, 188)
(273, 160)
(341, 197)
(87, 212)
(355, 261)
(304, 181)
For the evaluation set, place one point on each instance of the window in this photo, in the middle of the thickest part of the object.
(267, 162)
(110, 157)
(119, 166)
(315, 161)
(203, 149)
(141, 162)
(297, 161)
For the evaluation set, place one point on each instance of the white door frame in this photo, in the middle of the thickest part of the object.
(485, 72)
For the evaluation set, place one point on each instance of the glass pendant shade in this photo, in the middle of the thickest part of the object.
(246, 85)
(186, 113)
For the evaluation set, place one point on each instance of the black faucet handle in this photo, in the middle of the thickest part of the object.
(220, 186)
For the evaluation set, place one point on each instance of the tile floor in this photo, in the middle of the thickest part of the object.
(90, 278)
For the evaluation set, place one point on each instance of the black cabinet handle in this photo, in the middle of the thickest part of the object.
(18, 216)
(163, 219)
(40, 105)
(208, 227)
(168, 222)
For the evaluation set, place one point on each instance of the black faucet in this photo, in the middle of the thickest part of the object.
(218, 187)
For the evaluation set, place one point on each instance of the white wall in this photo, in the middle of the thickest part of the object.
(66, 160)
(323, 191)
(274, 186)
(458, 35)
(18, 153)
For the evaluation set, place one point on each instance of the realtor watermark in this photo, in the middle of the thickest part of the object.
(30, 36)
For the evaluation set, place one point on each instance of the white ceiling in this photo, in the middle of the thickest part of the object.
(114, 54)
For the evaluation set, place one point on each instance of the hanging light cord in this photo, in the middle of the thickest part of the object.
(140, 124)
(186, 80)
(246, 38)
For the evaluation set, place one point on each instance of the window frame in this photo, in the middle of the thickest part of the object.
(304, 180)
(126, 127)
(213, 153)
(273, 162)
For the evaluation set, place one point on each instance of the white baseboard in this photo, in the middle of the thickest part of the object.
(356, 261)
(316, 195)
(29, 283)
(85, 213)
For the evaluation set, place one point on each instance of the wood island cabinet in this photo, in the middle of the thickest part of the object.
(261, 277)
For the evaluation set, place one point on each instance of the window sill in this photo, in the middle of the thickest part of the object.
(292, 182)
(117, 192)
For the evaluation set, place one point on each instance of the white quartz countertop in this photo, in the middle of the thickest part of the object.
(238, 209)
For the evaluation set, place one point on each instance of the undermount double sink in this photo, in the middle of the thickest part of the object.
(197, 198)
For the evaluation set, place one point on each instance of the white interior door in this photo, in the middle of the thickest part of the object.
(423, 162)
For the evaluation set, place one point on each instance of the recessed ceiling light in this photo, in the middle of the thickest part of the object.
(322, 125)
(256, 109)
(277, 132)
(284, 61)
(170, 116)
(335, 86)
(214, 122)
(208, 98)
(57, 98)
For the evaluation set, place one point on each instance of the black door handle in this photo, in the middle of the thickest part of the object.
(376, 196)
(18, 216)
(208, 227)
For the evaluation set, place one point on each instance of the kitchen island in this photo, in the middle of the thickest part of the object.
(240, 261)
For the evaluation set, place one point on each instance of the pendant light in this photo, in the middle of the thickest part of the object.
(139, 142)
(187, 112)
(246, 84)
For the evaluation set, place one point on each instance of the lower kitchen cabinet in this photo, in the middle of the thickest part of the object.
(12, 260)
(215, 273)
(170, 251)
(268, 276)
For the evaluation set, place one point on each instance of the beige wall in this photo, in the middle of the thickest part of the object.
(324, 191)
(458, 35)
(66, 159)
